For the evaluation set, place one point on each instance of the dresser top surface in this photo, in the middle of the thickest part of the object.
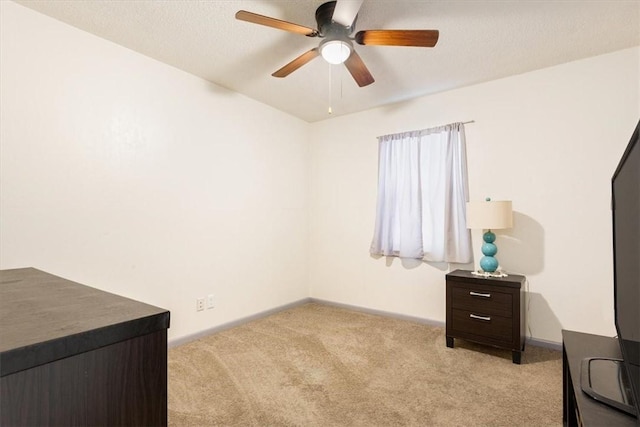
(42, 312)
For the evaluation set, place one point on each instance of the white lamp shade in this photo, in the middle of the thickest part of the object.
(489, 215)
(335, 51)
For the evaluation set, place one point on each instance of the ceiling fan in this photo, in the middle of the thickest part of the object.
(336, 22)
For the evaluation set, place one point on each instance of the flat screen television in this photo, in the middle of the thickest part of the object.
(617, 382)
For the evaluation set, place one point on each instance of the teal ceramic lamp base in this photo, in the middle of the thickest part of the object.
(488, 262)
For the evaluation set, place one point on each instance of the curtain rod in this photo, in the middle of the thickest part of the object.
(463, 123)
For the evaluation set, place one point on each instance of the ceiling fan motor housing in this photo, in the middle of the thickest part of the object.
(330, 29)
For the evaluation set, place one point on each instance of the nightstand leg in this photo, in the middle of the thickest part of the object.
(450, 342)
(516, 356)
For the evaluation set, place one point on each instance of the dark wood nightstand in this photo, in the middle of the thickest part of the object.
(486, 310)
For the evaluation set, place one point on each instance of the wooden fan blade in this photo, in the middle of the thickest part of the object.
(346, 11)
(358, 70)
(254, 18)
(297, 63)
(419, 38)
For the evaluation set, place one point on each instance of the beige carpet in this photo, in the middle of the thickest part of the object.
(317, 365)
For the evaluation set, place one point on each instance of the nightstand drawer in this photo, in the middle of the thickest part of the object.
(483, 325)
(486, 299)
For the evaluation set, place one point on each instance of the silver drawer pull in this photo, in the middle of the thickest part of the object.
(478, 294)
(485, 318)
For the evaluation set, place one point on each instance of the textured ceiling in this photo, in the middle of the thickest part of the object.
(479, 41)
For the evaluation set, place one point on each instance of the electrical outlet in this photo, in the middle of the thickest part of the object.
(210, 301)
(200, 304)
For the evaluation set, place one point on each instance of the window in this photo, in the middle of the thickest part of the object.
(422, 191)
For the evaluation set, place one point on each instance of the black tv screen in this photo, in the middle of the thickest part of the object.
(626, 260)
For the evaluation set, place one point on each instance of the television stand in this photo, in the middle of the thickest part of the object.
(579, 409)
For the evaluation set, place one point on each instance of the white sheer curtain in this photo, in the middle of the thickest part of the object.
(422, 191)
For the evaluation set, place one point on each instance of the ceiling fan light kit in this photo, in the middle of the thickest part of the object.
(335, 51)
(336, 22)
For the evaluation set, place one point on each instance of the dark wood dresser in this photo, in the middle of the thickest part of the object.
(71, 355)
(578, 409)
(486, 310)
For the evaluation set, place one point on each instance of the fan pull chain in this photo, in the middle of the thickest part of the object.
(330, 90)
(341, 80)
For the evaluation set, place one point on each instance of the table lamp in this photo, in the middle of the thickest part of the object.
(489, 215)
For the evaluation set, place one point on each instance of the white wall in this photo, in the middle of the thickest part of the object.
(547, 140)
(126, 174)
